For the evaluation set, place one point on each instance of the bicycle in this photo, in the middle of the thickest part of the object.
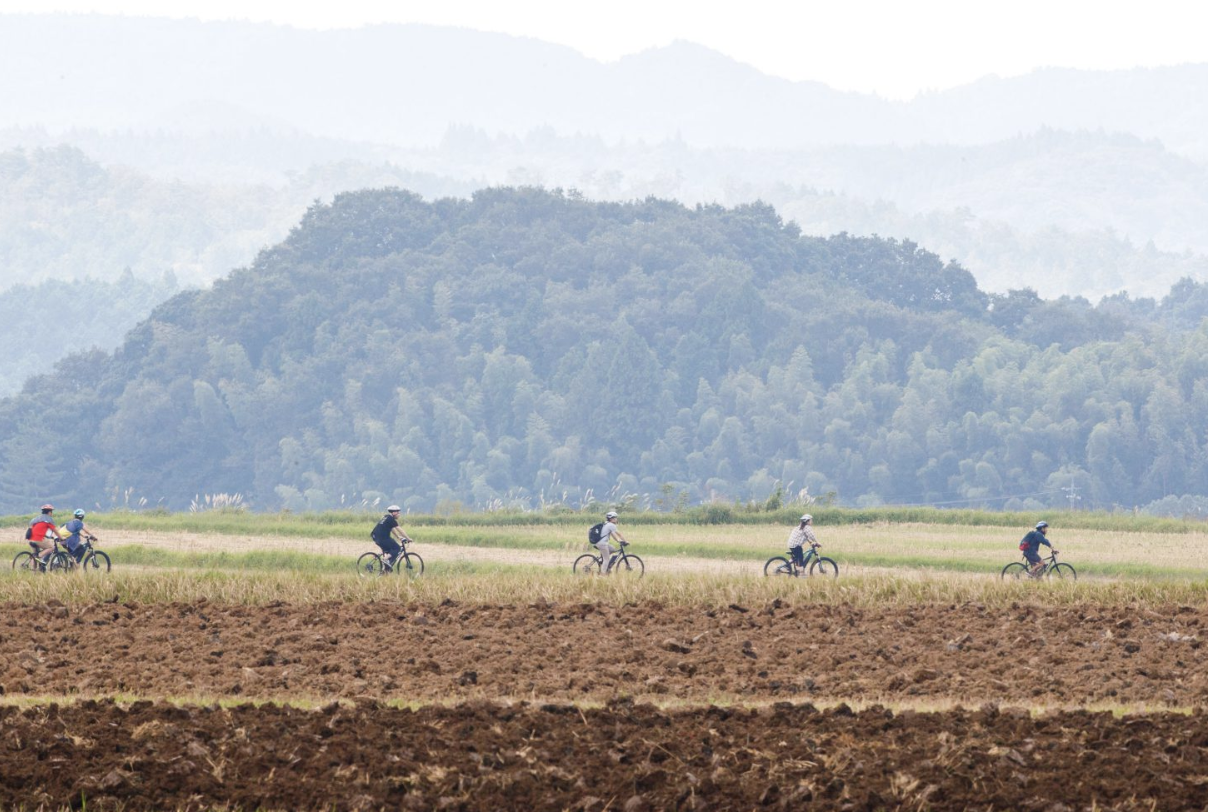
(625, 563)
(28, 560)
(813, 563)
(372, 563)
(1050, 568)
(88, 558)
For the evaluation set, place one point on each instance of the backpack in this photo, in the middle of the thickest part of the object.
(593, 535)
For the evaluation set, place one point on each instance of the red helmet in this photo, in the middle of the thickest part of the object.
(47, 507)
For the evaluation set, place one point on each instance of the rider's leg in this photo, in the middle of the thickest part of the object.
(605, 555)
(45, 548)
(390, 550)
(1034, 562)
(798, 554)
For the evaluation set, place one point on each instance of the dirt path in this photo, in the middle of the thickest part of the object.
(436, 553)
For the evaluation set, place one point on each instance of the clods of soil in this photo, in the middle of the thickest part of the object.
(483, 756)
(1075, 656)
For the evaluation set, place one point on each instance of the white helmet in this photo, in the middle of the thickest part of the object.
(393, 509)
(612, 514)
(807, 518)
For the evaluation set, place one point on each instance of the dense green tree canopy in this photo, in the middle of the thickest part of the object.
(526, 347)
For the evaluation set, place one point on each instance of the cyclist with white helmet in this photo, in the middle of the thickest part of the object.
(607, 532)
(385, 531)
(801, 535)
(1030, 545)
(76, 531)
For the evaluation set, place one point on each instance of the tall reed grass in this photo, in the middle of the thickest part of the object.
(490, 584)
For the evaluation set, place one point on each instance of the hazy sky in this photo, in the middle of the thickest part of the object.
(896, 48)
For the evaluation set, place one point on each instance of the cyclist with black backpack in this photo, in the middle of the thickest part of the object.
(601, 536)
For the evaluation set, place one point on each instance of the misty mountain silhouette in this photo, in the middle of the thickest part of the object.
(406, 84)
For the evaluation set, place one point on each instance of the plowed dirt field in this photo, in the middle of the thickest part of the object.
(549, 652)
(487, 757)
(593, 707)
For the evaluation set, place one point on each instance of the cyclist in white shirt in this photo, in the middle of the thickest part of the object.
(608, 532)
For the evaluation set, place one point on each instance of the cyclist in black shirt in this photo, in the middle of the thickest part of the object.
(383, 534)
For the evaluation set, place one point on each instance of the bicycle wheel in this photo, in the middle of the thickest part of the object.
(824, 567)
(1014, 571)
(779, 565)
(628, 566)
(96, 561)
(60, 562)
(25, 562)
(370, 564)
(586, 564)
(411, 566)
(1063, 572)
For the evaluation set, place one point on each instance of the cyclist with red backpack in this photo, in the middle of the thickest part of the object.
(1030, 545)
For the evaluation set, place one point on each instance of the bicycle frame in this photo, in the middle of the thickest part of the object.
(1046, 564)
(619, 561)
(805, 559)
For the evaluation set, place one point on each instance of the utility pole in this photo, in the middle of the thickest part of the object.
(1072, 494)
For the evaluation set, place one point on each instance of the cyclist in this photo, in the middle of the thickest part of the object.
(76, 532)
(383, 534)
(607, 532)
(1030, 544)
(801, 535)
(40, 527)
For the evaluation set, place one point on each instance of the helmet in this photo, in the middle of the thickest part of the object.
(1041, 525)
(47, 507)
(612, 514)
(79, 514)
(807, 518)
(393, 509)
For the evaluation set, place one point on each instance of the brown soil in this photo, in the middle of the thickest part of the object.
(941, 654)
(481, 756)
(524, 728)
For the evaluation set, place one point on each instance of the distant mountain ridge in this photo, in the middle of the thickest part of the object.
(524, 347)
(405, 84)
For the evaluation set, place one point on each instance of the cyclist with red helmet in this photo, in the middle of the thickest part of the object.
(42, 533)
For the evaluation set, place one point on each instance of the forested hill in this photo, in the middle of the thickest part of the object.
(525, 347)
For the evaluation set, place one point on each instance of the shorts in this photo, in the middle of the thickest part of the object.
(389, 546)
(1032, 556)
